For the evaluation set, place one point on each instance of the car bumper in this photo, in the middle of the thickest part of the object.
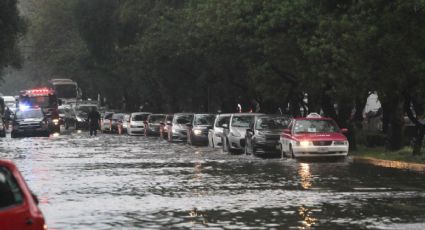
(30, 132)
(136, 131)
(200, 139)
(237, 143)
(267, 147)
(320, 151)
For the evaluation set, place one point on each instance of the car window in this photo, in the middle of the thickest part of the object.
(156, 118)
(272, 123)
(184, 119)
(10, 193)
(139, 117)
(315, 126)
(207, 119)
(222, 120)
(242, 121)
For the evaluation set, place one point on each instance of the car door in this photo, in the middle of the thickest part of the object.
(286, 138)
(14, 210)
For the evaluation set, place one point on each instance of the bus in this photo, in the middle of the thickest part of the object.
(44, 98)
(66, 90)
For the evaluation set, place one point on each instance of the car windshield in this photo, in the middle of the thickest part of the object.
(10, 193)
(241, 121)
(139, 117)
(270, 123)
(204, 119)
(315, 126)
(156, 118)
(184, 119)
(35, 113)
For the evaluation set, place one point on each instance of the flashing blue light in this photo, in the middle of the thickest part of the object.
(23, 107)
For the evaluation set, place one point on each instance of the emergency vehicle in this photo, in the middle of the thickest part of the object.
(44, 98)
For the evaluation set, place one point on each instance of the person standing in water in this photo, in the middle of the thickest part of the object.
(94, 121)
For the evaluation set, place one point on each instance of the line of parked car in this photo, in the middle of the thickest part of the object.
(250, 133)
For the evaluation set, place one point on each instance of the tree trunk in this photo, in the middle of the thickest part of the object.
(395, 130)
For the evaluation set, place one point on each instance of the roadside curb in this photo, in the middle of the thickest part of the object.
(417, 167)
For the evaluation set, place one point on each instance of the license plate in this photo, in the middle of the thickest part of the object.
(322, 150)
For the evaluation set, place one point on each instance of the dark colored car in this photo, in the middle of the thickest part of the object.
(153, 124)
(179, 126)
(18, 205)
(199, 128)
(30, 122)
(263, 135)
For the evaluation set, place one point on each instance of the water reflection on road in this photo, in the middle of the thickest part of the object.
(108, 182)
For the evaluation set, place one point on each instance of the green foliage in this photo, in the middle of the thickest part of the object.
(12, 27)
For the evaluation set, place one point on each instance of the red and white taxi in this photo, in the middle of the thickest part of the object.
(314, 136)
(18, 206)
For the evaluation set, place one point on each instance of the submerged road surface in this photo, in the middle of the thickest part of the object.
(122, 182)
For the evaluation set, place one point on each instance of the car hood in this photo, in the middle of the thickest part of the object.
(29, 120)
(271, 132)
(137, 123)
(240, 130)
(320, 136)
(179, 126)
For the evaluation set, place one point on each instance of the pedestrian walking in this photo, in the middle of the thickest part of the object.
(94, 121)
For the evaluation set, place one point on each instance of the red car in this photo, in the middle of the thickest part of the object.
(314, 136)
(18, 205)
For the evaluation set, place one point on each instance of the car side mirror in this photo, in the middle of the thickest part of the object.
(286, 131)
(225, 126)
(344, 130)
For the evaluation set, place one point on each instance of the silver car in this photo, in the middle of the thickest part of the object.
(179, 126)
(233, 137)
(214, 134)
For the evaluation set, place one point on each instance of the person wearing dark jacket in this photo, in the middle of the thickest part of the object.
(94, 121)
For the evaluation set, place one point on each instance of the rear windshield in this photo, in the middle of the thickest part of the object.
(139, 117)
(10, 193)
(315, 126)
(204, 119)
(156, 118)
(242, 121)
(118, 116)
(269, 123)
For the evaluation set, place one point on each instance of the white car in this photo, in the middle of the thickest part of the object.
(233, 137)
(214, 134)
(136, 125)
(10, 101)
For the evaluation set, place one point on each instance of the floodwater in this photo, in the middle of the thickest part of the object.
(122, 182)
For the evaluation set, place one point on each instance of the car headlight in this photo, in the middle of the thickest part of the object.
(197, 131)
(79, 119)
(340, 142)
(304, 143)
(55, 121)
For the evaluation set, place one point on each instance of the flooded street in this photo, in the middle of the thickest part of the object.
(114, 182)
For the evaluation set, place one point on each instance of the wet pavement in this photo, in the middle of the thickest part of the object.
(122, 182)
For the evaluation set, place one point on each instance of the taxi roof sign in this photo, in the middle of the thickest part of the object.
(314, 115)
